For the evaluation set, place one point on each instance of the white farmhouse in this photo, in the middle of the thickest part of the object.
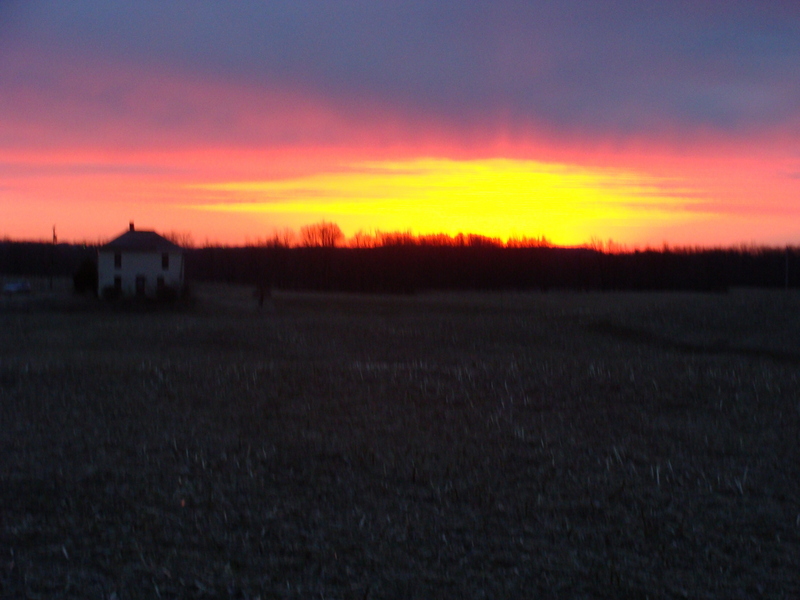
(139, 263)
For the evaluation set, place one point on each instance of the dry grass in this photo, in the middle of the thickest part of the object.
(462, 446)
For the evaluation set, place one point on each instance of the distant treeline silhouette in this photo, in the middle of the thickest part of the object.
(414, 267)
(39, 259)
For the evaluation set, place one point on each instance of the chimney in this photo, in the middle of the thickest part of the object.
(131, 229)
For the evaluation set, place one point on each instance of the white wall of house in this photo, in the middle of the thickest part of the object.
(139, 264)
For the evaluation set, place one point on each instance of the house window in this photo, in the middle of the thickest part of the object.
(117, 260)
(165, 261)
(140, 285)
(160, 283)
(117, 283)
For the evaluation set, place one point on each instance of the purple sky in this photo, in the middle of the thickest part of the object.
(608, 69)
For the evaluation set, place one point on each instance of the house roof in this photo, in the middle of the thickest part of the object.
(141, 241)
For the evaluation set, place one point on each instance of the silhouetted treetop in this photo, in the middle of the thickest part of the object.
(322, 234)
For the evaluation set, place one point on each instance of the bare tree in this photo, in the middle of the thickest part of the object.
(361, 239)
(283, 238)
(183, 239)
(529, 242)
(322, 234)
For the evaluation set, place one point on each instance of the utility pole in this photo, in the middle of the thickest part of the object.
(786, 272)
(53, 256)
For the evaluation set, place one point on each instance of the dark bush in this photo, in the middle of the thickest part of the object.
(85, 278)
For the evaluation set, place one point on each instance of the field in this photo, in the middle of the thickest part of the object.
(433, 446)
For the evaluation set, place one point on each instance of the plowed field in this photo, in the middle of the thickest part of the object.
(432, 446)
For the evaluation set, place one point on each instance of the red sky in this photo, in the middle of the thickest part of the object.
(674, 123)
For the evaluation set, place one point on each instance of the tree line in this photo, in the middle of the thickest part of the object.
(416, 268)
(410, 265)
(329, 235)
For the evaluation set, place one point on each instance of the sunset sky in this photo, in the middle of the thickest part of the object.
(643, 122)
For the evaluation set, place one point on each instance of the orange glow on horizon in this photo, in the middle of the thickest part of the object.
(234, 196)
(499, 198)
(233, 162)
